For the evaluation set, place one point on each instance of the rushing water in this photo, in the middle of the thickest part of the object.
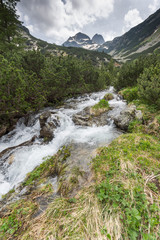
(24, 159)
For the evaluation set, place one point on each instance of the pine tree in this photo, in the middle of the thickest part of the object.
(9, 22)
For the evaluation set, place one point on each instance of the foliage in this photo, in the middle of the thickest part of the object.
(129, 94)
(50, 167)
(101, 104)
(123, 170)
(149, 85)
(130, 71)
(9, 37)
(29, 81)
(20, 92)
(18, 215)
(128, 74)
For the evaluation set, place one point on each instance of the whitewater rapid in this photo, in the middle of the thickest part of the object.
(15, 164)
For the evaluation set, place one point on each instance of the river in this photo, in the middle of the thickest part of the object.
(16, 163)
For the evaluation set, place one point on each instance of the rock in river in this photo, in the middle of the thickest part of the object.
(127, 115)
(48, 124)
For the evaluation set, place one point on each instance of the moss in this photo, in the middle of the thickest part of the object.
(70, 182)
(99, 108)
(101, 104)
(50, 167)
(7, 195)
(108, 96)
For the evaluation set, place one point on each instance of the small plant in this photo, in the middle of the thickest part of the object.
(18, 215)
(102, 104)
(51, 166)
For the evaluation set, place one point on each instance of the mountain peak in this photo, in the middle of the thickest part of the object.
(97, 38)
(82, 40)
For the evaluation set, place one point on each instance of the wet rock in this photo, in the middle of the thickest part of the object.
(3, 130)
(30, 119)
(48, 123)
(87, 117)
(82, 120)
(11, 159)
(43, 118)
(27, 143)
(128, 115)
(47, 131)
(108, 96)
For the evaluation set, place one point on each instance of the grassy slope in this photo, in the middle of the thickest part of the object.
(121, 201)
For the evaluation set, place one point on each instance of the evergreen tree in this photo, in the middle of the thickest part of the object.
(8, 25)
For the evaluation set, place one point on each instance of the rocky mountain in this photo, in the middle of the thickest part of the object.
(141, 39)
(97, 38)
(81, 40)
(97, 58)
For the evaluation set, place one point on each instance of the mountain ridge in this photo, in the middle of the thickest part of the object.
(81, 40)
(33, 43)
(137, 40)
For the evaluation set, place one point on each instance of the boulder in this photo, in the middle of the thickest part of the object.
(81, 120)
(108, 96)
(3, 130)
(126, 116)
(48, 123)
(47, 131)
(43, 118)
(89, 117)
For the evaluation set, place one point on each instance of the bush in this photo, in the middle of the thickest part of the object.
(149, 85)
(129, 94)
(102, 104)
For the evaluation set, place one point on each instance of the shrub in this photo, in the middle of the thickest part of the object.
(129, 94)
(102, 104)
(149, 85)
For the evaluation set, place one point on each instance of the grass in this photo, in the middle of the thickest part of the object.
(16, 219)
(70, 182)
(129, 94)
(121, 203)
(52, 166)
(99, 108)
(128, 184)
(80, 217)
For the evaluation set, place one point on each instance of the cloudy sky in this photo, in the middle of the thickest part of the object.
(56, 20)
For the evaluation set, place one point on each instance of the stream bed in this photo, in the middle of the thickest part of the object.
(16, 162)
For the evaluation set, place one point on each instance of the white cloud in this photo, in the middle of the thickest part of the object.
(132, 18)
(110, 35)
(58, 20)
(153, 6)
